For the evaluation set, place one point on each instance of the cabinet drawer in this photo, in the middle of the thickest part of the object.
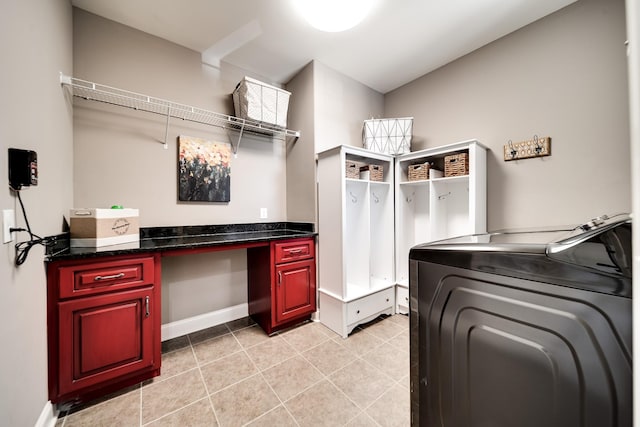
(370, 305)
(293, 250)
(99, 277)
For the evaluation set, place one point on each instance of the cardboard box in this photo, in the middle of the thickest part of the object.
(103, 227)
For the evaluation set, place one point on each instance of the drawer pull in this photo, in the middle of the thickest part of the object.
(113, 276)
(295, 251)
(146, 306)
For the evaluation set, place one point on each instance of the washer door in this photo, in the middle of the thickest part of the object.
(499, 351)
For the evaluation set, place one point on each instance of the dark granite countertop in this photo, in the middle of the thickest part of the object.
(161, 239)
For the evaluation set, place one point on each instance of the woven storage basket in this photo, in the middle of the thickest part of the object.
(376, 172)
(352, 170)
(418, 172)
(456, 164)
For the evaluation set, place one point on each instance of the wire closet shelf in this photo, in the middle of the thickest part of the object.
(124, 98)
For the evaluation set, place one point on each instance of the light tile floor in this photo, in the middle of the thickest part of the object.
(234, 375)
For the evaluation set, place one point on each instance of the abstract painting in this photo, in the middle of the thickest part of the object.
(204, 170)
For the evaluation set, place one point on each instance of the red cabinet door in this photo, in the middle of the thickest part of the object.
(295, 290)
(105, 337)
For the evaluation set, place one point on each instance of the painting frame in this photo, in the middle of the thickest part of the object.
(204, 170)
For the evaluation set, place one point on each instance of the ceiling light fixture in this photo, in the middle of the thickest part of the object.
(333, 15)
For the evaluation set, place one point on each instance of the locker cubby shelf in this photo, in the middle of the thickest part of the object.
(357, 263)
(370, 226)
(427, 181)
(438, 208)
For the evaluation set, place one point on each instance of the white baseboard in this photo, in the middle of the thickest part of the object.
(48, 417)
(203, 321)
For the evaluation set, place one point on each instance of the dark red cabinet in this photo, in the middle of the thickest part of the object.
(295, 290)
(104, 312)
(282, 283)
(104, 325)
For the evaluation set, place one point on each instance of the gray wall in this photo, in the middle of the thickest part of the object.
(301, 194)
(563, 76)
(328, 107)
(341, 104)
(120, 159)
(119, 153)
(35, 46)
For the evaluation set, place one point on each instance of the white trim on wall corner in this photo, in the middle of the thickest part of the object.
(203, 321)
(48, 417)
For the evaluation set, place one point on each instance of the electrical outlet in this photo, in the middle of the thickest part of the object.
(8, 222)
(263, 213)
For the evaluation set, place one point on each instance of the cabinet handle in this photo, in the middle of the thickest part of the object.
(279, 277)
(113, 276)
(295, 251)
(146, 306)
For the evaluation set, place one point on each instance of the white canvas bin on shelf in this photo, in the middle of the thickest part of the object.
(388, 136)
(255, 100)
(103, 227)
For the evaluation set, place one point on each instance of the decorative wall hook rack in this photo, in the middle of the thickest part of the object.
(536, 147)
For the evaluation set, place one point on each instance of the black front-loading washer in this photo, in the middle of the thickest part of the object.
(523, 328)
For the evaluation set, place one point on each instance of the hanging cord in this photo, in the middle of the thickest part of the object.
(23, 248)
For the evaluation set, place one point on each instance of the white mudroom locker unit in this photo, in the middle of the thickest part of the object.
(376, 210)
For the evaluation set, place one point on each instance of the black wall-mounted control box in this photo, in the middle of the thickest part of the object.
(23, 168)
